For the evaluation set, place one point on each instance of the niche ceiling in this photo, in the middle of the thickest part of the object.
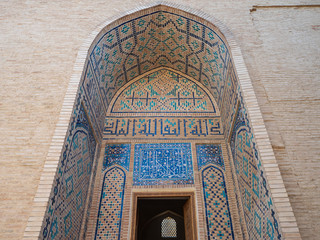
(159, 38)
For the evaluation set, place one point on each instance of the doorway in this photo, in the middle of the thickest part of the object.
(160, 218)
(164, 217)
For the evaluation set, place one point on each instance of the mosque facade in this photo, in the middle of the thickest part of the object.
(164, 134)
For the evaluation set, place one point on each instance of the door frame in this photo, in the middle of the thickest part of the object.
(162, 193)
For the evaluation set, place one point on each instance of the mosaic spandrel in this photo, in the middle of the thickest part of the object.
(124, 52)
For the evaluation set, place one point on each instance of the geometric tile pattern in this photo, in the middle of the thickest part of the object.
(93, 101)
(68, 199)
(127, 50)
(162, 164)
(219, 225)
(162, 105)
(117, 154)
(238, 200)
(230, 100)
(209, 153)
(111, 204)
(163, 91)
(157, 39)
(258, 207)
(161, 127)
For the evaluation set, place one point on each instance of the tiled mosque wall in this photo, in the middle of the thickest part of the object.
(111, 204)
(67, 204)
(162, 164)
(163, 105)
(40, 42)
(155, 38)
(217, 211)
(159, 38)
(115, 168)
(259, 212)
(230, 99)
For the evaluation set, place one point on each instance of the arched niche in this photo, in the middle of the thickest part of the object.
(121, 50)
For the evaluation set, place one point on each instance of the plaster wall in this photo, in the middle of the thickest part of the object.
(39, 44)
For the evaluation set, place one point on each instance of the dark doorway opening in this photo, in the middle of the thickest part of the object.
(161, 218)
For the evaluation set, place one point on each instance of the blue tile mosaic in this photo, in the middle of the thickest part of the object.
(209, 153)
(66, 207)
(230, 99)
(123, 53)
(219, 224)
(111, 204)
(174, 40)
(162, 127)
(117, 154)
(163, 163)
(138, 111)
(163, 91)
(258, 207)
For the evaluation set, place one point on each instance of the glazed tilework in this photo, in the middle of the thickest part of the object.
(160, 38)
(256, 199)
(219, 224)
(162, 164)
(111, 204)
(122, 53)
(230, 99)
(238, 200)
(209, 153)
(186, 121)
(93, 101)
(163, 91)
(161, 127)
(89, 204)
(117, 154)
(67, 202)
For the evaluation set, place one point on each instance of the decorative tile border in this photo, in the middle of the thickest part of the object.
(257, 205)
(162, 127)
(219, 223)
(111, 204)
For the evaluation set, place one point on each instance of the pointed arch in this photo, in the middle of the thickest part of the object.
(178, 39)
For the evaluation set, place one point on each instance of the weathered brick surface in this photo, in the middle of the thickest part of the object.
(288, 64)
(39, 44)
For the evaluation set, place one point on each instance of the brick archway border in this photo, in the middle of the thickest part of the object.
(279, 195)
